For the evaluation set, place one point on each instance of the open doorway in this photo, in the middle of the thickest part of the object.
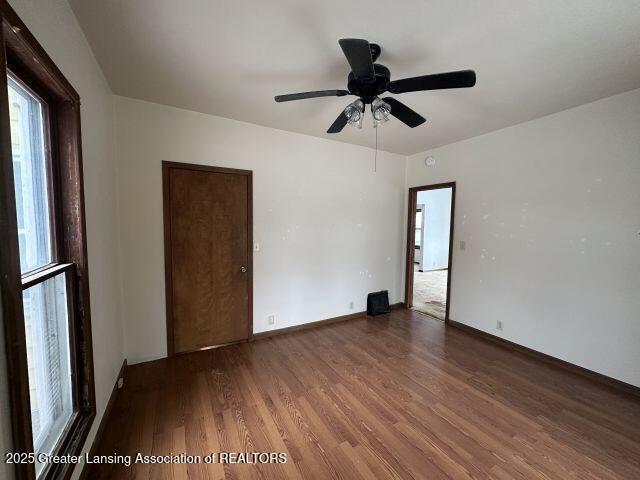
(429, 249)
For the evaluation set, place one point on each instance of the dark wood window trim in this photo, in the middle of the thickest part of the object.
(22, 55)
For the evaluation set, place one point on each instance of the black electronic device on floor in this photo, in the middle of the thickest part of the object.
(378, 303)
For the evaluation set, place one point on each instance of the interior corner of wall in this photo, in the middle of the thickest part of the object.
(406, 171)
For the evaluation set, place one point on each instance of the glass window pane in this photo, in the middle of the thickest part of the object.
(30, 177)
(419, 218)
(48, 357)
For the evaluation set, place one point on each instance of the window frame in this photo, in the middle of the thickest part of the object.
(26, 60)
(418, 228)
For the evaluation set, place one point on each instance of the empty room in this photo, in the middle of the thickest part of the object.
(319, 240)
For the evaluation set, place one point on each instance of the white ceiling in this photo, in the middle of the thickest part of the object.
(229, 58)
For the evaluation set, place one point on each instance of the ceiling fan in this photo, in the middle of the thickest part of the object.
(368, 79)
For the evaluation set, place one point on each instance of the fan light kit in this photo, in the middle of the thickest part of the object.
(367, 80)
(355, 113)
(380, 110)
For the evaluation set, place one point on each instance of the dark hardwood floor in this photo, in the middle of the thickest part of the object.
(396, 396)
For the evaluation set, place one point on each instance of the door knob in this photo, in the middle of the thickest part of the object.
(243, 269)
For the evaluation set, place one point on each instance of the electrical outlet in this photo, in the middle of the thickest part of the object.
(463, 245)
(351, 305)
(499, 325)
(271, 319)
(256, 247)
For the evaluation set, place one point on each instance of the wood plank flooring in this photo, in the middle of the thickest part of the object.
(395, 396)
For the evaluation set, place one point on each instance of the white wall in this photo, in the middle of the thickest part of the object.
(329, 228)
(550, 212)
(437, 212)
(55, 27)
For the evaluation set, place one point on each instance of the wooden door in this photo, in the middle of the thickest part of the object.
(207, 216)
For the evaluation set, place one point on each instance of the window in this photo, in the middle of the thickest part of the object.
(49, 361)
(43, 269)
(30, 177)
(46, 316)
(418, 233)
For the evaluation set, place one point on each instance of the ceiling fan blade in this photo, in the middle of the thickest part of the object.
(339, 123)
(460, 79)
(315, 94)
(358, 55)
(404, 113)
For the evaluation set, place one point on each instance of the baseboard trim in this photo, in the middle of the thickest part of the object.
(319, 323)
(618, 385)
(105, 419)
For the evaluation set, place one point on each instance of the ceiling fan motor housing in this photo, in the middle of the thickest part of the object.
(369, 88)
(375, 51)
